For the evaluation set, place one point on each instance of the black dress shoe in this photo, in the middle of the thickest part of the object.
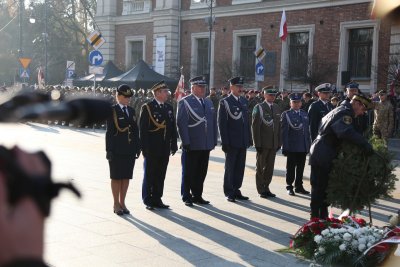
(200, 200)
(119, 212)
(149, 207)
(126, 211)
(301, 191)
(291, 192)
(269, 194)
(231, 199)
(162, 206)
(241, 197)
(263, 195)
(189, 203)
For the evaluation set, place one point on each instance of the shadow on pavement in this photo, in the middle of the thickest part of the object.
(262, 230)
(272, 212)
(43, 128)
(290, 204)
(385, 207)
(180, 246)
(244, 249)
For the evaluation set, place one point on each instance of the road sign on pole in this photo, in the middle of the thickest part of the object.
(24, 73)
(260, 53)
(25, 61)
(259, 72)
(95, 58)
(70, 65)
(95, 39)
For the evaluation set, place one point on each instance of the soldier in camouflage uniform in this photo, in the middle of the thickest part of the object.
(383, 122)
(252, 103)
(283, 101)
(214, 98)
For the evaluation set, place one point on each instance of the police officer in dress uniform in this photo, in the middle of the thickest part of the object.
(361, 122)
(296, 143)
(319, 108)
(235, 134)
(266, 132)
(122, 146)
(197, 127)
(336, 127)
(159, 139)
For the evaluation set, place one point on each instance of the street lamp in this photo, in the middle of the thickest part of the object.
(210, 22)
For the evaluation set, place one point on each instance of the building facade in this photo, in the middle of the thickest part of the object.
(329, 40)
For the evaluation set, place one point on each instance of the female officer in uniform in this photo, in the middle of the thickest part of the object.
(122, 146)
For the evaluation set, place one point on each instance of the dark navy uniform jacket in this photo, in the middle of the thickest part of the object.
(197, 126)
(158, 134)
(361, 122)
(122, 135)
(233, 122)
(316, 112)
(295, 131)
(336, 127)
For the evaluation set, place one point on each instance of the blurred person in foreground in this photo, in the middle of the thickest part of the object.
(22, 224)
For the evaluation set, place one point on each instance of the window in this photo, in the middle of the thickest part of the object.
(136, 52)
(360, 52)
(298, 55)
(202, 56)
(247, 58)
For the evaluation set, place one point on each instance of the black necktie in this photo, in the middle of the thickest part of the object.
(125, 111)
(327, 106)
(202, 103)
(272, 111)
(161, 106)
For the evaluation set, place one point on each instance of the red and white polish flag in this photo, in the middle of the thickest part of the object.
(283, 28)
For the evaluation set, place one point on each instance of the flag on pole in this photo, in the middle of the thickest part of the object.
(283, 28)
(180, 91)
(40, 78)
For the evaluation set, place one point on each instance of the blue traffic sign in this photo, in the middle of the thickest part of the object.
(24, 73)
(259, 68)
(70, 74)
(95, 58)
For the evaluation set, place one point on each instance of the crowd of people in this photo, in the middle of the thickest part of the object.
(150, 123)
(267, 120)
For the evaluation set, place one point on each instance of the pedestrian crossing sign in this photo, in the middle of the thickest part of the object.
(24, 73)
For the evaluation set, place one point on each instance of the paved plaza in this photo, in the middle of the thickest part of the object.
(86, 232)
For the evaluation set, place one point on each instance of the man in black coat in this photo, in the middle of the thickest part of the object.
(159, 139)
(319, 108)
(336, 127)
(122, 146)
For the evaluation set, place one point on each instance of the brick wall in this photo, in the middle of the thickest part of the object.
(326, 39)
(121, 31)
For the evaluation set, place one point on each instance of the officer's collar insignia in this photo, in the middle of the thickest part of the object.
(347, 120)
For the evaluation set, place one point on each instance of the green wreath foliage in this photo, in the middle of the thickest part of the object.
(357, 179)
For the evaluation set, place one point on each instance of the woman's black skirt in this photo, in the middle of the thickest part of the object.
(121, 167)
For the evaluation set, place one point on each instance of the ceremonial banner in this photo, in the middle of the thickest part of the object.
(160, 55)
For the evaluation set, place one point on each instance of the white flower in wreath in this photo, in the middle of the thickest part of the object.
(354, 244)
(361, 247)
(336, 237)
(371, 239)
(321, 250)
(325, 232)
(357, 232)
(362, 240)
(342, 247)
(347, 236)
(317, 239)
